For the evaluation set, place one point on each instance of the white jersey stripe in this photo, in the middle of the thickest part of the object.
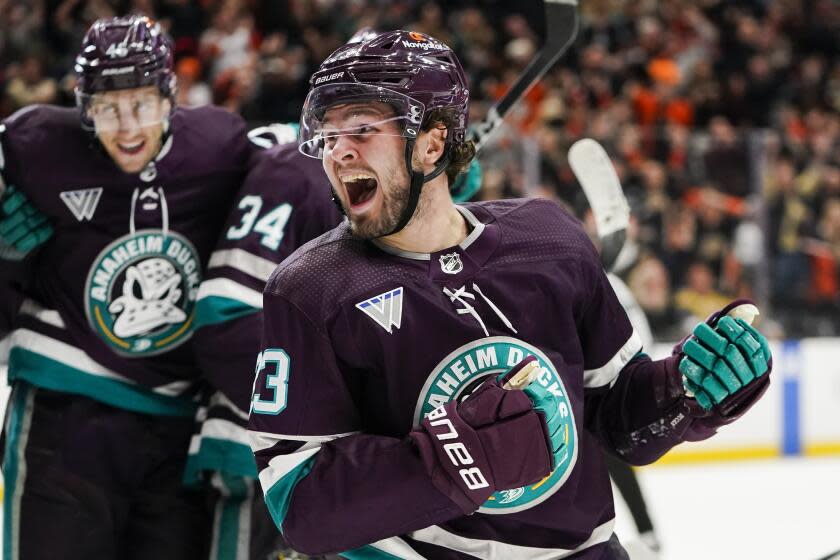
(5, 343)
(76, 358)
(224, 429)
(61, 352)
(608, 373)
(226, 288)
(243, 261)
(49, 316)
(495, 550)
(281, 465)
(262, 440)
(219, 399)
(397, 547)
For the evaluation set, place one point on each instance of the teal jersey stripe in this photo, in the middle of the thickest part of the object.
(51, 374)
(221, 455)
(229, 526)
(279, 496)
(17, 429)
(212, 310)
(368, 553)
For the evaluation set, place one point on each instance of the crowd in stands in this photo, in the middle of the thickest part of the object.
(722, 116)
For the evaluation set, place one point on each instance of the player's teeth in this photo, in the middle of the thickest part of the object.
(356, 177)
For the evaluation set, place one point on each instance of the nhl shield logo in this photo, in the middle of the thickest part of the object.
(451, 263)
(141, 291)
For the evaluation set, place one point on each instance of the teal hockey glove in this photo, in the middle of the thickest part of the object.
(723, 360)
(22, 226)
(526, 377)
(467, 184)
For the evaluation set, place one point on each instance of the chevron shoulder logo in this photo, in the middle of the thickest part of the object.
(385, 309)
(82, 203)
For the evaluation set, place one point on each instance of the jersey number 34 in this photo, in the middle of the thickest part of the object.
(271, 225)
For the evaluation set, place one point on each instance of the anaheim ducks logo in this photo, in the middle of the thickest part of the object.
(141, 290)
(463, 370)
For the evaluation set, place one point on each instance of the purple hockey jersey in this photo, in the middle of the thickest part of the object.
(115, 287)
(284, 202)
(361, 341)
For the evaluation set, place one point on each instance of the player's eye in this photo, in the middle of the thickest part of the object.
(105, 110)
(144, 106)
(329, 139)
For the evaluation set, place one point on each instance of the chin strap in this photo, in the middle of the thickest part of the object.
(417, 179)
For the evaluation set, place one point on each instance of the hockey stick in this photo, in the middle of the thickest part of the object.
(561, 25)
(596, 175)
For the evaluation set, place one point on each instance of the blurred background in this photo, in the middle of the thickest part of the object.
(722, 118)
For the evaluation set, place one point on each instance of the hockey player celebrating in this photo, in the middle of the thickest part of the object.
(104, 386)
(380, 419)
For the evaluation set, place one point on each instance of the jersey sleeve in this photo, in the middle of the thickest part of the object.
(283, 203)
(636, 406)
(14, 276)
(329, 486)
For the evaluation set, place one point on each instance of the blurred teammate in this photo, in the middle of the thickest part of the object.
(375, 333)
(104, 384)
(284, 202)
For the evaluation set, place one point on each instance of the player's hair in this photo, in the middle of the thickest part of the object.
(461, 153)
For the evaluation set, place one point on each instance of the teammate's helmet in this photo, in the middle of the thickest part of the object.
(412, 72)
(123, 53)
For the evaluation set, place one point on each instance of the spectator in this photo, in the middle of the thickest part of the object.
(681, 93)
(699, 298)
(31, 85)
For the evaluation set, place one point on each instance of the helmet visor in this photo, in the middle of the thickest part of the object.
(357, 110)
(112, 111)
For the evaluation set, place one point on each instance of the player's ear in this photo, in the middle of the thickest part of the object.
(435, 144)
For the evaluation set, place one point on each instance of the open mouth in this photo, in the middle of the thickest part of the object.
(360, 188)
(131, 148)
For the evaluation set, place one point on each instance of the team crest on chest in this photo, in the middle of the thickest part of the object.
(141, 290)
(460, 373)
(451, 263)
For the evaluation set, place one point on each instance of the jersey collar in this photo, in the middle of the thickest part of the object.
(457, 263)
